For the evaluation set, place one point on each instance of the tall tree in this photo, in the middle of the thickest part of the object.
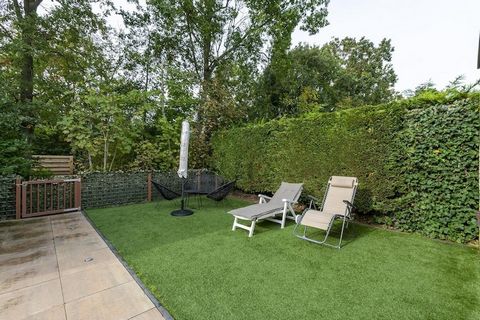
(369, 66)
(42, 49)
(341, 74)
(207, 35)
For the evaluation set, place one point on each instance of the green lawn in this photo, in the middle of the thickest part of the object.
(199, 269)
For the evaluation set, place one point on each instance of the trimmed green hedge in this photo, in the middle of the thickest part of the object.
(354, 142)
(371, 143)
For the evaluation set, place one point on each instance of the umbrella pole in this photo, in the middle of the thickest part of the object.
(182, 212)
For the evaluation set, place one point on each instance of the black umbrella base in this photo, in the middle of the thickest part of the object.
(181, 212)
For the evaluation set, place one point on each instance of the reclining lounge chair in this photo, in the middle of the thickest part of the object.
(269, 207)
(337, 204)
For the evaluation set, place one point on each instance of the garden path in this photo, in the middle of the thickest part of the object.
(58, 267)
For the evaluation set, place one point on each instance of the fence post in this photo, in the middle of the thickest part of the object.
(149, 187)
(24, 200)
(78, 194)
(18, 198)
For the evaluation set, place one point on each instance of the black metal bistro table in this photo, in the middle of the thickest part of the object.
(198, 194)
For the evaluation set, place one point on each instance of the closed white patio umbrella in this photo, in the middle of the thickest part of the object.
(183, 168)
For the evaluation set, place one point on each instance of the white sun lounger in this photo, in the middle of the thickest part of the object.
(269, 207)
(337, 204)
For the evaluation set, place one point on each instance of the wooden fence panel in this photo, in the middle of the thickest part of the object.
(59, 165)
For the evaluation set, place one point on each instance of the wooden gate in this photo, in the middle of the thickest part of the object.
(43, 197)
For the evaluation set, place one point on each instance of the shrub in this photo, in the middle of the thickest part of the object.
(14, 149)
(437, 163)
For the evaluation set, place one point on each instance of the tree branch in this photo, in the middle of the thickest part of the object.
(192, 48)
(7, 32)
(18, 11)
(36, 4)
(228, 51)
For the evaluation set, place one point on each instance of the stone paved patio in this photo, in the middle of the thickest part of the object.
(58, 267)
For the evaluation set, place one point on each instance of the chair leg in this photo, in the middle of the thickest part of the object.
(341, 234)
(252, 228)
(234, 227)
(284, 217)
(324, 241)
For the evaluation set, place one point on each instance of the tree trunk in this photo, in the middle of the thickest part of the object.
(90, 164)
(28, 29)
(26, 20)
(113, 160)
(105, 153)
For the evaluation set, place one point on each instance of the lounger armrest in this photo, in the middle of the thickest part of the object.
(349, 205)
(264, 198)
(313, 202)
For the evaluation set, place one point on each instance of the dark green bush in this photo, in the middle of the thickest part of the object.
(437, 163)
(419, 165)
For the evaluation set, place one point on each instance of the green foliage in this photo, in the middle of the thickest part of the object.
(219, 43)
(13, 157)
(205, 35)
(99, 125)
(161, 151)
(341, 74)
(437, 163)
(220, 110)
(14, 150)
(310, 149)
(417, 165)
(106, 189)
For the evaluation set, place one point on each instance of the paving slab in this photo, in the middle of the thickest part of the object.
(78, 241)
(26, 302)
(122, 302)
(151, 314)
(54, 313)
(60, 268)
(27, 258)
(28, 275)
(80, 259)
(92, 280)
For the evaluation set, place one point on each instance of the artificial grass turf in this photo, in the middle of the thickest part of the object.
(199, 269)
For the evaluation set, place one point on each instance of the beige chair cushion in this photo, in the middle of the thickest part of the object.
(342, 182)
(317, 219)
(289, 191)
(334, 201)
(341, 188)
